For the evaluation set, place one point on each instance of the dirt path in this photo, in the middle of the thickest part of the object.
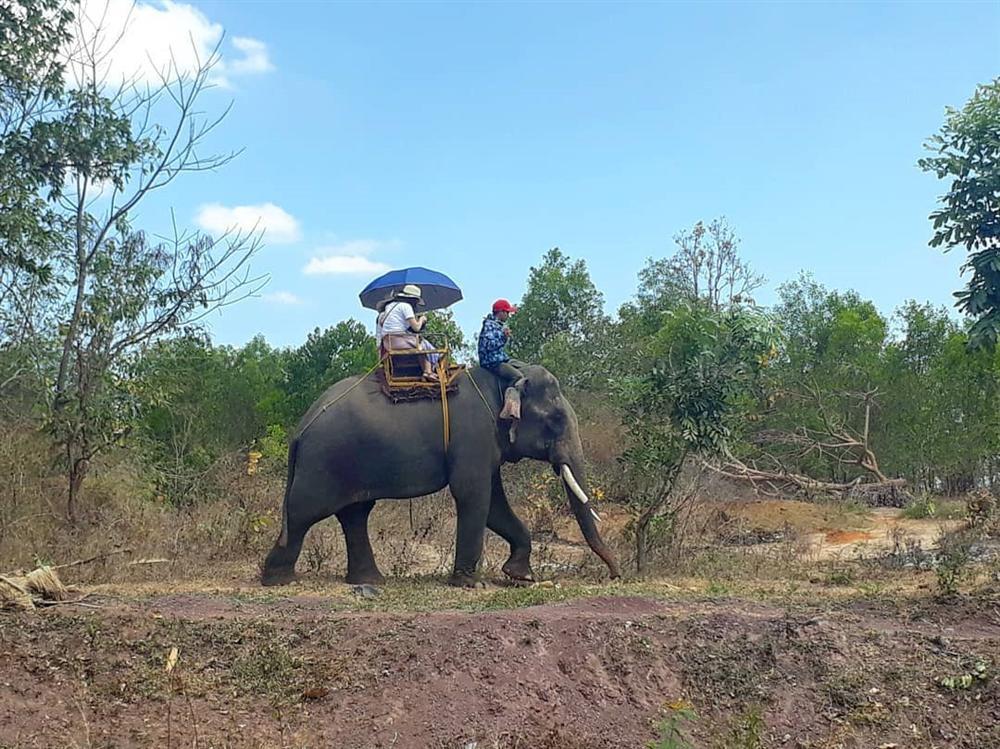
(592, 672)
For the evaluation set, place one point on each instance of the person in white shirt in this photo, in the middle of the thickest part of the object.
(397, 327)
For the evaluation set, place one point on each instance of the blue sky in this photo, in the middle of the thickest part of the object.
(471, 138)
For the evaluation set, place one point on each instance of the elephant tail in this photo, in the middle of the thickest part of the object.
(293, 449)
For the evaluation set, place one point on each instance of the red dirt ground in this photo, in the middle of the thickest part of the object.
(588, 674)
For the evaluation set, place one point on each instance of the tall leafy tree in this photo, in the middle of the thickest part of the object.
(706, 266)
(326, 356)
(827, 382)
(561, 321)
(110, 288)
(702, 374)
(966, 151)
(32, 97)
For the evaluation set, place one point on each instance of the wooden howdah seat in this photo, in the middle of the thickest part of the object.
(402, 377)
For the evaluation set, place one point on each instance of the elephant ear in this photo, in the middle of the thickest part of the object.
(512, 405)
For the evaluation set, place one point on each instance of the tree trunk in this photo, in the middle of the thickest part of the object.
(641, 534)
(77, 473)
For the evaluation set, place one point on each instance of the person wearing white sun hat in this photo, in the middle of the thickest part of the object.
(397, 326)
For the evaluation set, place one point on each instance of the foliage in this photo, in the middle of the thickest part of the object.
(679, 713)
(560, 322)
(32, 32)
(441, 329)
(97, 287)
(704, 370)
(327, 356)
(952, 564)
(706, 266)
(200, 403)
(967, 151)
(978, 673)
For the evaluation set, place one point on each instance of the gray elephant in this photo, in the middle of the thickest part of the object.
(363, 448)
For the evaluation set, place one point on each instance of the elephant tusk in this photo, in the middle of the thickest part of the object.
(570, 479)
(571, 482)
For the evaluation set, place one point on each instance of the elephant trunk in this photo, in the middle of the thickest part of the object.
(570, 470)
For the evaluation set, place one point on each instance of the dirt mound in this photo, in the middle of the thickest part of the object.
(595, 672)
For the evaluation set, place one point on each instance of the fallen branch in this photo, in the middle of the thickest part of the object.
(96, 558)
(149, 561)
(72, 601)
(782, 479)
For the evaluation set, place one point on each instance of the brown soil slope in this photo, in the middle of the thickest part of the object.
(594, 672)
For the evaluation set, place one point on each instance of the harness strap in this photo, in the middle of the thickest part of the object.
(445, 415)
(482, 397)
(342, 395)
(444, 402)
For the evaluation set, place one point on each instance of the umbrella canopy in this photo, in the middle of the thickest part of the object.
(438, 291)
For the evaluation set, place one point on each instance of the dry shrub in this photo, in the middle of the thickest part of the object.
(21, 590)
(235, 522)
(324, 550)
(414, 537)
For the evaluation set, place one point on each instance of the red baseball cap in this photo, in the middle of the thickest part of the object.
(502, 305)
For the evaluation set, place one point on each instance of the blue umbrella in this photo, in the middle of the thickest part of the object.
(438, 291)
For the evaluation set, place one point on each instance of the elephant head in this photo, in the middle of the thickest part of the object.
(548, 430)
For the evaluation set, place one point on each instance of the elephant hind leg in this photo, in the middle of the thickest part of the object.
(279, 566)
(361, 566)
(302, 512)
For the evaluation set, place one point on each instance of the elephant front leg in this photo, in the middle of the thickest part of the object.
(507, 525)
(472, 504)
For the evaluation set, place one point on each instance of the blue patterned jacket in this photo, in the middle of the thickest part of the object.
(492, 339)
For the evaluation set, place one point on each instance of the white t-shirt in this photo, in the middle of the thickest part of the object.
(393, 320)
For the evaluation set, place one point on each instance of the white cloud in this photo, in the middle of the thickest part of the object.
(279, 226)
(349, 257)
(283, 297)
(343, 264)
(255, 58)
(144, 40)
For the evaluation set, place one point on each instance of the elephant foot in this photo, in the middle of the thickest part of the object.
(464, 580)
(518, 570)
(277, 576)
(364, 577)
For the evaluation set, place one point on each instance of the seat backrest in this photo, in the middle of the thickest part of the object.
(404, 365)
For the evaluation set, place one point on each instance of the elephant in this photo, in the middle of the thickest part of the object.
(355, 446)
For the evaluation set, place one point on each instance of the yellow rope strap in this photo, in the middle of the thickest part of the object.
(483, 397)
(443, 381)
(442, 378)
(341, 396)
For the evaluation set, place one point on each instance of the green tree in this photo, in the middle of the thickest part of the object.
(341, 351)
(101, 288)
(706, 266)
(705, 269)
(967, 151)
(32, 96)
(561, 323)
(828, 382)
(200, 403)
(441, 329)
(702, 375)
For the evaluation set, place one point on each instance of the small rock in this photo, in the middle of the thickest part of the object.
(366, 591)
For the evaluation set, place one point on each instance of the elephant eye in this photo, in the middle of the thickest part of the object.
(556, 422)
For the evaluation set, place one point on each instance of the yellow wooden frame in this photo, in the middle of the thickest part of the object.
(447, 371)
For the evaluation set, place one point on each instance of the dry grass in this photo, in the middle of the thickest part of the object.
(726, 542)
